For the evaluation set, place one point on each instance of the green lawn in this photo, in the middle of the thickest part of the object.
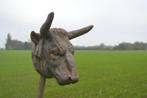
(103, 74)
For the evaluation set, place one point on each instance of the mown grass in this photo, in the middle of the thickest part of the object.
(103, 74)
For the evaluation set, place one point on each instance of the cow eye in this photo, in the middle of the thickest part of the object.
(56, 53)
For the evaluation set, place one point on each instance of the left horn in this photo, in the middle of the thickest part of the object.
(46, 26)
(76, 33)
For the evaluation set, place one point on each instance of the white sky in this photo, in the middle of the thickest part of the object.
(114, 21)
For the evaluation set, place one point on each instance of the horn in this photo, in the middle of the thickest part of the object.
(76, 33)
(46, 26)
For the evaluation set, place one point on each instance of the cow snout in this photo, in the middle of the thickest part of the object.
(68, 80)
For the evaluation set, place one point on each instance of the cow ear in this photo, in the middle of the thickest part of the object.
(35, 37)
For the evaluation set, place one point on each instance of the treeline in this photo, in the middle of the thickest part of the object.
(18, 45)
(121, 46)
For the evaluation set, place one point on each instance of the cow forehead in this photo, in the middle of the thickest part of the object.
(60, 39)
(58, 32)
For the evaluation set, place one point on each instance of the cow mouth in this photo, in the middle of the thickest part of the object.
(65, 79)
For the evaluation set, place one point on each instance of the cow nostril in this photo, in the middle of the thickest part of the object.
(69, 77)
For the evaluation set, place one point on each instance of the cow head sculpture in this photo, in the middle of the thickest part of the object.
(52, 52)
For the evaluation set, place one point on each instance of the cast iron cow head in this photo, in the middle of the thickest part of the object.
(52, 52)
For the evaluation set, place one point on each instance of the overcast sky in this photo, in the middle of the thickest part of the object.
(114, 21)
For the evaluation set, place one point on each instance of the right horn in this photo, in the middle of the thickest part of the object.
(76, 33)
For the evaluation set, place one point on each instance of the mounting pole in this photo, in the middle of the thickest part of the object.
(41, 86)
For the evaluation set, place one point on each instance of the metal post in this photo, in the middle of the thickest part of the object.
(41, 87)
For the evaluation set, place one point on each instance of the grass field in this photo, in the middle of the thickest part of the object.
(103, 74)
